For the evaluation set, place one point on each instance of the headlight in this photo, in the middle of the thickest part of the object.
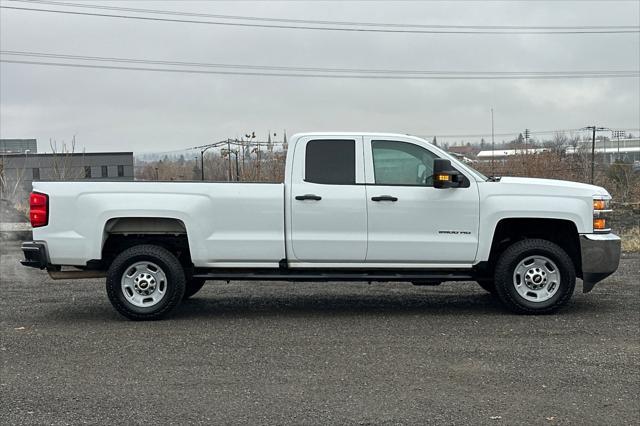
(601, 209)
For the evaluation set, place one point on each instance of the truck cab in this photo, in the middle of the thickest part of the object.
(371, 201)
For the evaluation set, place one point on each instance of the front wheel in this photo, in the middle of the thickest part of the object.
(534, 276)
(145, 282)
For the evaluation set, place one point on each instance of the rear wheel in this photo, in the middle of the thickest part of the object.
(534, 277)
(145, 282)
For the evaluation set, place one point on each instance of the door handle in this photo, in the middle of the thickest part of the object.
(384, 198)
(308, 197)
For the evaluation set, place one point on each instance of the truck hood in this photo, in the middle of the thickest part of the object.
(555, 185)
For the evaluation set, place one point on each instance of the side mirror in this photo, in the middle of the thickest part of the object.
(445, 176)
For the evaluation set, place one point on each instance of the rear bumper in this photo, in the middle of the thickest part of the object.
(35, 254)
(600, 258)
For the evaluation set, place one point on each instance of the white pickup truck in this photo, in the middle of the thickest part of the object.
(353, 207)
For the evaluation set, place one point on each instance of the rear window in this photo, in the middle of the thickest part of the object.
(331, 162)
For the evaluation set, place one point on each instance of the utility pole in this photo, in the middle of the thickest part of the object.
(202, 163)
(617, 134)
(526, 144)
(493, 147)
(593, 148)
(593, 152)
(229, 155)
(237, 166)
(258, 159)
(203, 149)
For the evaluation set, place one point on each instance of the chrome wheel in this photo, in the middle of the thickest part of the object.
(536, 278)
(144, 284)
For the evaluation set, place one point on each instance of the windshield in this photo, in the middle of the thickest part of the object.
(483, 177)
(454, 160)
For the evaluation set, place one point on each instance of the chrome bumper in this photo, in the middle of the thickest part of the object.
(600, 258)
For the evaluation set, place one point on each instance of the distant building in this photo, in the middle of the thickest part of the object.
(466, 150)
(18, 146)
(625, 154)
(462, 158)
(607, 151)
(626, 150)
(18, 171)
(501, 154)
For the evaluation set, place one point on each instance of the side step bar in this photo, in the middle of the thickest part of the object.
(311, 275)
(76, 274)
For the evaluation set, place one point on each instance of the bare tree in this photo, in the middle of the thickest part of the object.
(11, 188)
(62, 163)
(559, 143)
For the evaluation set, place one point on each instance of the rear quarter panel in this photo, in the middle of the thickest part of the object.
(226, 223)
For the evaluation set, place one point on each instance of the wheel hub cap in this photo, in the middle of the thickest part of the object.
(536, 278)
(144, 284)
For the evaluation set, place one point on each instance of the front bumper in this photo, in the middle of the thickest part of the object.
(35, 254)
(600, 258)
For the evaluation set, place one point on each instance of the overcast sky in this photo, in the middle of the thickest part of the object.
(117, 110)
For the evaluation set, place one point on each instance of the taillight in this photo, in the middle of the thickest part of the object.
(38, 209)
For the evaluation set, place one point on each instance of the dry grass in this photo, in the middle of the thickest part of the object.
(631, 239)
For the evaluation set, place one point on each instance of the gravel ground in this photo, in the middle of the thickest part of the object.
(265, 353)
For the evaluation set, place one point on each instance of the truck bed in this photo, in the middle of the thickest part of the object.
(226, 223)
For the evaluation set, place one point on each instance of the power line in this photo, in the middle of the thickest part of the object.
(323, 28)
(334, 76)
(538, 132)
(309, 69)
(328, 22)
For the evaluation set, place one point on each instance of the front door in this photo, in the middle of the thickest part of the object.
(410, 221)
(328, 204)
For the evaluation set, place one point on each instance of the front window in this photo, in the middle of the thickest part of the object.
(402, 163)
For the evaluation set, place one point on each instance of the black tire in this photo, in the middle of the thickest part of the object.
(505, 280)
(193, 286)
(488, 285)
(174, 285)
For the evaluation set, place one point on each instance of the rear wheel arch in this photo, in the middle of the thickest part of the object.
(121, 233)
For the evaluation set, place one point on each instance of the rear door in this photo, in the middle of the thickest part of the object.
(410, 221)
(328, 201)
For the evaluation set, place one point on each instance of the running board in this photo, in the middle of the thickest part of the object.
(311, 275)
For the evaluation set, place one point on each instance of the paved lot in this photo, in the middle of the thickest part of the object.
(316, 354)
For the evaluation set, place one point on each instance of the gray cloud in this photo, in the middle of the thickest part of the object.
(143, 111)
